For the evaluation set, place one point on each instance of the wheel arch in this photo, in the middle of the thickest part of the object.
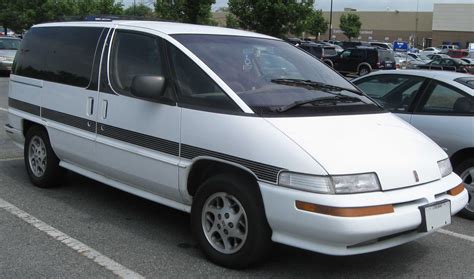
(461, 155)
(328, 62)
(362, 65)
(203, 168)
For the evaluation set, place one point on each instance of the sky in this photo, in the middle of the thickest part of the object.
(361, 5)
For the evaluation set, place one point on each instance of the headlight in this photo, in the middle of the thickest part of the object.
(339, 184)
(445, 167)
(305, 182)
(358, 183)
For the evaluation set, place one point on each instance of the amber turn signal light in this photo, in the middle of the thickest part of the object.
(345, 211)
(456, 190)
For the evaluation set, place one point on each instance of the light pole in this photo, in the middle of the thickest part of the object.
(416, 25)
(330, 23)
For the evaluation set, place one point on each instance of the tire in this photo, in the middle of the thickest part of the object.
(364, 70)
(210, 213)
(466, 171)
(41, 163)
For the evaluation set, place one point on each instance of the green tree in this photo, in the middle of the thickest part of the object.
(275, 18)
(98, 7)
(10, 16)
(350, 24)
(316, 24)
(138, 10)
(190, 11)
(231, 21)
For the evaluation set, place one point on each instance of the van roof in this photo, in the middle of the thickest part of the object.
(169, 28)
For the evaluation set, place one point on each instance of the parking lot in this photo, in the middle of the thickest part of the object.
(85, 229)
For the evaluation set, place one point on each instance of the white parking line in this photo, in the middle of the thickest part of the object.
(3, 109)
(10, 159)
(72, 243)
(458, 235)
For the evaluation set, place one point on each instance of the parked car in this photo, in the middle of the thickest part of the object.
(351, 44)
(401, 59)
(8, 48)
(446, 48)
(449, 64)
(439, 104)
(413, 63)
(338, 48)
(382, 45)
(420, 57)
(468, 60)
(430, 50)
(321, 51)
(458, 53)
(363, 60)
(201, 119)
(438, 56)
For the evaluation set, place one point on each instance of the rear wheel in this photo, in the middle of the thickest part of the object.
(41, 163)
(364, 70)
(229, 223)
(466, 171)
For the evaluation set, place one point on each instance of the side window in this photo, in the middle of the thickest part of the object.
(358, 54)
(346, 54)
(445, 99)
(134, 54)
(59, 54)
(394, 92)
(196, 88)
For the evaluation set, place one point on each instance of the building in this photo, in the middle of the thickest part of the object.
(448, 24)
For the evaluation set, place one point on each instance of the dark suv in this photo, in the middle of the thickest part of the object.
(323, 52)
(363, 60)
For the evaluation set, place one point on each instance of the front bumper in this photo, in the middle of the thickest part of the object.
(354, 235)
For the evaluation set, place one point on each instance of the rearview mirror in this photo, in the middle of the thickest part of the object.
(148, 86)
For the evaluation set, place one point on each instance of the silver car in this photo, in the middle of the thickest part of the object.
(440, 104)
(8, 48)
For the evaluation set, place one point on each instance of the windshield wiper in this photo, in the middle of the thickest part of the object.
(313, 85)
(332, 99)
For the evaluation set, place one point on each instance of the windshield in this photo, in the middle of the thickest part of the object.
(10, 44)
(254, 68)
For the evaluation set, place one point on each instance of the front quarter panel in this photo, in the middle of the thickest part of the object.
(249, 141)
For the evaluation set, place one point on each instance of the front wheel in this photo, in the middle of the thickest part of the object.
(229, 223)
(41, 163)
(466, 171)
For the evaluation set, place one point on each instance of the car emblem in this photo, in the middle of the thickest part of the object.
(417, 179)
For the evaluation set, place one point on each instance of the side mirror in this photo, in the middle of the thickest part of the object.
(148, 87)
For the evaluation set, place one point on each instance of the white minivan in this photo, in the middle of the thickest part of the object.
(254, 137)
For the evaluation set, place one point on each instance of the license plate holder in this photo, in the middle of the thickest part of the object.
(435, 215)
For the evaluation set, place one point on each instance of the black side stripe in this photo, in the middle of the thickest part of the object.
(158, 144)
(70, 120)
(24, 106)
(262, 171)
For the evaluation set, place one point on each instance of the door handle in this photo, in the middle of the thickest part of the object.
(90, 106)
(104, 109)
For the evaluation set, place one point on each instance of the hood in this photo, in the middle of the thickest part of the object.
(8, 52)
(380, 143)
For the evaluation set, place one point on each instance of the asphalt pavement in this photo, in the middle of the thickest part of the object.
(154, 241)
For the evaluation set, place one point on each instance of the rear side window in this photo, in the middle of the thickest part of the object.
(444, 99)
(468, 81)
(58, 54)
